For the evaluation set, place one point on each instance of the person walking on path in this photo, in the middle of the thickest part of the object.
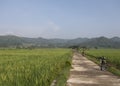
(102, 63)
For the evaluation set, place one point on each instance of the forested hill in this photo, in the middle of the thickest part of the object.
(24, 42)
(103, 42)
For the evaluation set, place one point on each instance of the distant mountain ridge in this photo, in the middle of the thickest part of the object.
(102, 42)
(16, 41)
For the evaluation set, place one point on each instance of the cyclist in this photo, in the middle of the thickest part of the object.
(102, 63)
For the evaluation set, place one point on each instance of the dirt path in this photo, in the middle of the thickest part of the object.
(86, 73)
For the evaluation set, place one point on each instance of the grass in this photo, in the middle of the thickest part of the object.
(112, 56)
(63, 76)
(37, 67)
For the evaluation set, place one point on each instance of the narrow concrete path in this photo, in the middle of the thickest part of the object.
(86, 73)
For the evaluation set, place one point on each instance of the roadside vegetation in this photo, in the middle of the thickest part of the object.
(112, 56)
(36, 67)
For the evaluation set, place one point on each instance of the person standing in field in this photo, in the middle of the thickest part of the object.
(102, 63)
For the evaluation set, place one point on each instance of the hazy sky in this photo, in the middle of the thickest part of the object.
(60, 18)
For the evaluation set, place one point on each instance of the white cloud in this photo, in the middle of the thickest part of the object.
(53, 26)
(51, 30)
(48, 30)
(7, 33)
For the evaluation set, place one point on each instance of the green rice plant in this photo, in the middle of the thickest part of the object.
(37, 67)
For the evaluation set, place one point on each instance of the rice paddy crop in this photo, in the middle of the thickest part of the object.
(37, 67)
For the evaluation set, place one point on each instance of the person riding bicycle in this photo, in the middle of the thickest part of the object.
(102, 63)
